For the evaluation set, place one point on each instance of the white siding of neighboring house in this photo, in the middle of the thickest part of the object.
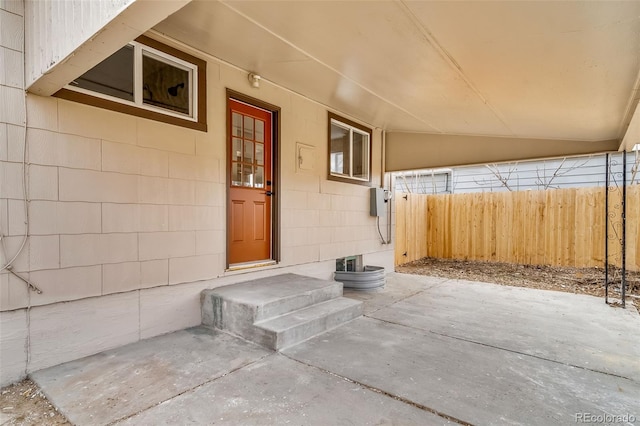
(572, 172)
(532, 175)
(127, 215)
(424, 182)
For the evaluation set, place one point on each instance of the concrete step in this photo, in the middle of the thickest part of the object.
(292, 328)
(240, 307)
(262, 298)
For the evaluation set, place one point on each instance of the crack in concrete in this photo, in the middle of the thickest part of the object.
(385, 393)
(501, 348)
(407, 297)
(121, 419)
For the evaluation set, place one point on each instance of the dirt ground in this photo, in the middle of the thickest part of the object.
(24, 404)
(571, 280)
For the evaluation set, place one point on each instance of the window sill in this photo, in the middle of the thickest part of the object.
(349, 180)
(94, 101)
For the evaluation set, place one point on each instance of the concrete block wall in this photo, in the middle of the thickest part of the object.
(127, 218)
(13, 324)
(117, 203)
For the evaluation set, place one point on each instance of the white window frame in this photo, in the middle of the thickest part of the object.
(140, 50)
(416, 175)
(351, 130)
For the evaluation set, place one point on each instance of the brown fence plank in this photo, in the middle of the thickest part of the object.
(560, 227)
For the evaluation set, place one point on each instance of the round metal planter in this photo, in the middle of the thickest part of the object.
(372, 277)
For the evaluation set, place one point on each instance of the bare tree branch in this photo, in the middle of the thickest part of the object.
(504, 180)
(634, 169)
(434, 186)
(404, 181)
(497, 173)
(545, 183)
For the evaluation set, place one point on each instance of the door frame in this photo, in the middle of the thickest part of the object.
(275, 169)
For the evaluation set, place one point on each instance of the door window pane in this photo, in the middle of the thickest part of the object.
(248, 152)
(165, 85)
(259, 183)
(236, 124)
(247, 176)
(236, 154)
(236, 174)
(259, 154)
(248, 128)
(259, 130)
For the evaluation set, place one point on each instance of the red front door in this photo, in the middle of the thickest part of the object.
(249, 147)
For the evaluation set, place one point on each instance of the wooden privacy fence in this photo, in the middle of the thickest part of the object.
(559, 227)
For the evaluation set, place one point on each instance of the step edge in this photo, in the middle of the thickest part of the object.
(212, 293)
(335, 292)
(354, 303)
(297, 342)
(220, 289)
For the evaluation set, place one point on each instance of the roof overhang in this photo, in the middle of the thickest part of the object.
(632, 136)
(434, 150)
(64, 40)
(493, 80)
(496, 80)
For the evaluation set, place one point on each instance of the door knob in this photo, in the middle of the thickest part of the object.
(268, 193)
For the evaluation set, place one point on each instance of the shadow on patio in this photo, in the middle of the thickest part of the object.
(427, 351)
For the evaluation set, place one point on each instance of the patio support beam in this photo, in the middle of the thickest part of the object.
(632, 134)
(411, 151)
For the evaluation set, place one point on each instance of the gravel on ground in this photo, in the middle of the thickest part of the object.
(589, 281)
(23, 403)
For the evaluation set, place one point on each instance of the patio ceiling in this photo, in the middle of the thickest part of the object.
(510, 71)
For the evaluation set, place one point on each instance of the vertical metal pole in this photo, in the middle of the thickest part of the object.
(606, 231)
(624, 226)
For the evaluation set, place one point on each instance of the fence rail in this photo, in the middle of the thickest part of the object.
(559, 227)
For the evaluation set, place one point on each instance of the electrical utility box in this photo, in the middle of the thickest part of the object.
(377, 202)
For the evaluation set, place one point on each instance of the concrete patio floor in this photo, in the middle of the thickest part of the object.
(428, 351)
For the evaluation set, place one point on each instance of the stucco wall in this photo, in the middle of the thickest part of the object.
(127, 220)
